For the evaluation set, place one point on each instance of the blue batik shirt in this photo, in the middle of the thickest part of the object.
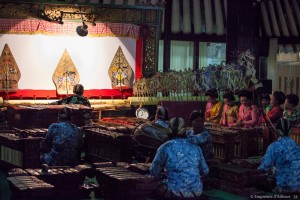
(284, 155)
(204, 140)
(184, 164)
(162, 123)
(63, 142)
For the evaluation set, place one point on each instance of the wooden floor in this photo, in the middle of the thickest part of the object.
(212, 194)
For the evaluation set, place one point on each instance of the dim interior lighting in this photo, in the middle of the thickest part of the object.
(82, 30)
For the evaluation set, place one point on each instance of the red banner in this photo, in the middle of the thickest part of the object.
(36, 26)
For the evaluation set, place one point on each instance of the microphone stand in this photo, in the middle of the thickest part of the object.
(120, 71)
(67, 74)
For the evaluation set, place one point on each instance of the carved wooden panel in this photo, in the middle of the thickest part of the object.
(150, 46)
(13, 10)
(67, 12)
(118, 15)
(151, 16)
(9, 71)
(65, 75)
(120, 72)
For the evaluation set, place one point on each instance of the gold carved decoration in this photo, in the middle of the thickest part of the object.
(150, 52)
(14, 10)
(9, 71)
(65, 75)
(68, 12)
(120, 71)
(118, 15)
(151, 16)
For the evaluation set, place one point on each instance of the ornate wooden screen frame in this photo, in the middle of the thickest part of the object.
(139, 15)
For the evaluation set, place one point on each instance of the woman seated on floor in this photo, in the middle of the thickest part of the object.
(284, 156)
(184, 164)
(230, 110)
(277, 99)
(213, 109)
(249, 114)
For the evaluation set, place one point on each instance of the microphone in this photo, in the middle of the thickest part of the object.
(81, 30)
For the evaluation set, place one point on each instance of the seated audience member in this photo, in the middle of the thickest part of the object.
(265, 102)
(77, 98)
(277, 99)
(290, 112)
(213, 108)
(63, 141)
(199, 135)
(249, 114)
(184, 164)
(230, 110)
(284, 155)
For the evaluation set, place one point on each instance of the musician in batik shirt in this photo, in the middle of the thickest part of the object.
(249, 114)
(78, 98)
(277, 99)
(184, 164)
(284, 155)
(200, 135)
(213, 109)
(230, 110)
(63, 141)
(162, 117)
(290, 112)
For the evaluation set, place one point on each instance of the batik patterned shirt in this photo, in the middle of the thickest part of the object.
(184, 164)
(63, 142)
(284, 155)
(294, 117)
(162, 123)
(204, 140)
(76, 99)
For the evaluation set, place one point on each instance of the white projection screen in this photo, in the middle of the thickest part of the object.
(38, 55)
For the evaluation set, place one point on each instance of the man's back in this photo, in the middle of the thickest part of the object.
(284, 154)
(184, 163)
(63, 142)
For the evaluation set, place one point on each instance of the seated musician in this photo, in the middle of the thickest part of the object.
(213, 110)
(63, 141)
(277, 99)
(230, 110)
(200, 135)
(148, 137)
(249, 114)
(265, 102)
(162, 117)
(77, 98)
(184, 164)
(284, 155)
(290, 112)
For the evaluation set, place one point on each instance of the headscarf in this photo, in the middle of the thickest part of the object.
(162, 112)
(65, 114)
(194, 115)
(177, 125)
